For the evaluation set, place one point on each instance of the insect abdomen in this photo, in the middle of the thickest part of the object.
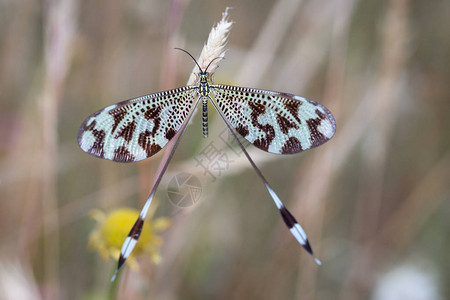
(205, 116)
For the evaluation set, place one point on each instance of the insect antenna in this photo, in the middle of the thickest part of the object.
(192, 59)
(212, 61)
(197, 62)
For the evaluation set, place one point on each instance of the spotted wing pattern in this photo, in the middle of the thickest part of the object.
(138, 128)
(275, 122)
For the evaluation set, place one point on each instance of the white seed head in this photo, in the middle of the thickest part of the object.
(214, 47)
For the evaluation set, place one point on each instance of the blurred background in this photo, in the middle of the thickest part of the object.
(373, 200)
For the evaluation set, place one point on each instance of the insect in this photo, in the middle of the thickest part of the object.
(138, 128)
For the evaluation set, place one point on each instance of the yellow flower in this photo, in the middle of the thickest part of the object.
(113, 228)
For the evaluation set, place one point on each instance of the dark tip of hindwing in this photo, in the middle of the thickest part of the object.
(291, 222)
(308, 248)
(121, 261)
(119, 265)
(129, 244)
(288, 218)
(135, 232)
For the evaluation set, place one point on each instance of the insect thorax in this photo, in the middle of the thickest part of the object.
(204, 81)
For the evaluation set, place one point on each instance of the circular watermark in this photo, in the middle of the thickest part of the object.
(184, 190)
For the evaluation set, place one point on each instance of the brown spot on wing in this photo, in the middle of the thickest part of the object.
(153, 114)
(121, 154)
(127, 132)
(257, 109)
(118, 115)
(291, 146)
(99, 135)
(317, 138)
(170, 133)
(285, 124)
(320, 114)
(243, 130)
(97, 147)
(293, 107)
(262, 143)
(146, 144)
